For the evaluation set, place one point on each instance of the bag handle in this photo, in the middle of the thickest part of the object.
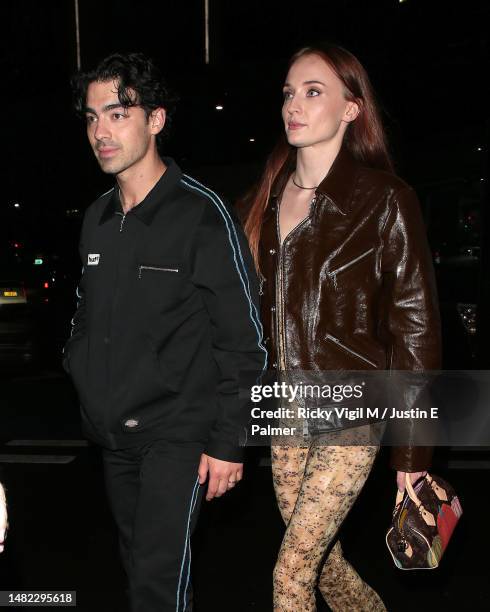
(410, 491)
(439, 491)
(425, 514)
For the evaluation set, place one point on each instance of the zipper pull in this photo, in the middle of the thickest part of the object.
(122, 223)
(261, 283)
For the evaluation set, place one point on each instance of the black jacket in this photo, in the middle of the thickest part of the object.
(166, 320)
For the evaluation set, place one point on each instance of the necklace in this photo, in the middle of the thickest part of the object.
(301, 186)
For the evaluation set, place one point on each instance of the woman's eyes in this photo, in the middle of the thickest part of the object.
(311, 93)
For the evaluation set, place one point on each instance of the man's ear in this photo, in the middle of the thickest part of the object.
(157, 120)
(352, 111)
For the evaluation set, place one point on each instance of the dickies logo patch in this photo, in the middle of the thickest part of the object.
(93, 259)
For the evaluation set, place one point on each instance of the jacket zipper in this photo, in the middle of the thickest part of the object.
(349, 350)
(123, 219)
(261, 283)
(279, 322)
(114, 294)
(351, 263)
(281, 343)
(160, 269)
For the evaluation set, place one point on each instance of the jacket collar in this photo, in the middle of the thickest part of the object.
(340, 182)
(149, 206)
(338, 185)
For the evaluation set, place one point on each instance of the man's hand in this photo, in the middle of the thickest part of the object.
(223, 475)
(414, 476)
(3, 517)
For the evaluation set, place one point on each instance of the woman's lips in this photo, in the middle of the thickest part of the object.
(295, 126)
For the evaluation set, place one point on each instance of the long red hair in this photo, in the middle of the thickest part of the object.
(364, 138)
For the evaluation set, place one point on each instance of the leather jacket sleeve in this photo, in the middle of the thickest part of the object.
(411, 310)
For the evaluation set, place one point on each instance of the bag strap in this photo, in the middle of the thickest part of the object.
(439, 491)
(399, 497)
(425, 514)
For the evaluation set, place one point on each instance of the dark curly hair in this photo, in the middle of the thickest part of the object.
(139, 83)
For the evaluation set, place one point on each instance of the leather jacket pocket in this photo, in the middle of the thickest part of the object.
(350, 351)
(347, 265)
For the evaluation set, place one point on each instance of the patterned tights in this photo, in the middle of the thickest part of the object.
(316, 487)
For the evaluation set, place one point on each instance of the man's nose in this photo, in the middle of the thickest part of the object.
(101, 131)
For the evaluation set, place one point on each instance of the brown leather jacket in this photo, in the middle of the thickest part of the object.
(353, 285)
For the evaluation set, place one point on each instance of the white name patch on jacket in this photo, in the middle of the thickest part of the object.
(93, 259)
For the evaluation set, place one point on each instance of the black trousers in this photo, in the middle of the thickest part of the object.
(155, 497)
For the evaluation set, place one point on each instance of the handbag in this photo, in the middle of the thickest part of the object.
(423, 522)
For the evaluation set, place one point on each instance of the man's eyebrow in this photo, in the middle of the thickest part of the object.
(307, 83)
(107, 107)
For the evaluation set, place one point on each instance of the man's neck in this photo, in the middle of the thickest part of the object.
(138, 181)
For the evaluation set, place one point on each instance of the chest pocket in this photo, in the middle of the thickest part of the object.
(351, 262)
(147, 269)
(160, 283)
(350, 265)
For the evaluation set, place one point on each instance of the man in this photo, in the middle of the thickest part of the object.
(166, 320)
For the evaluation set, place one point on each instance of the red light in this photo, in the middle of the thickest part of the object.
(17, 245)
(46, 285)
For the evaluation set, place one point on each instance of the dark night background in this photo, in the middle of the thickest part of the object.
(427, 61)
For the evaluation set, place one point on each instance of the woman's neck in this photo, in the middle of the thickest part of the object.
(314, 163)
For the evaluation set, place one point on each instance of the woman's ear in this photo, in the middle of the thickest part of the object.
(351, 112)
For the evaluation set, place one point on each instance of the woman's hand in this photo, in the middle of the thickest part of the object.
(414, 476)
(3, 517)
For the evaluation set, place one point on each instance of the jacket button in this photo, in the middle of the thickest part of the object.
(273, 309)
(272, 251)
(106, 340)
(274, 365)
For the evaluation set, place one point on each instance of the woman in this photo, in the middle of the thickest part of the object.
(347, 284)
